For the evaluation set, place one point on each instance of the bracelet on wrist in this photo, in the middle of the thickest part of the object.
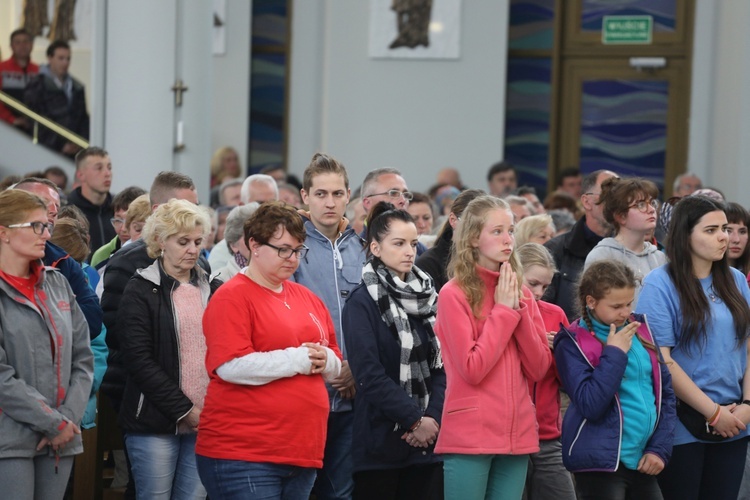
(416, 425)
(715, 415)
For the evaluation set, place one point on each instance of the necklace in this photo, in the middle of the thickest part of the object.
(269, 292)
(712, 294)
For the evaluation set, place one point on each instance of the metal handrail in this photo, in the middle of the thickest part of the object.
(39, 119)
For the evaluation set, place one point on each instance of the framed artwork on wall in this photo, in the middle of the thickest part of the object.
(415, 29)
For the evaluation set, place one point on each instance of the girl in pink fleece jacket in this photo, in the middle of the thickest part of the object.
(493, 343)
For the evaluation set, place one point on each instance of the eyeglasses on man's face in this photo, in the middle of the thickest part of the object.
(117, 222)
(286, 252)
(644, 205)
(36, 226)
(395, 194)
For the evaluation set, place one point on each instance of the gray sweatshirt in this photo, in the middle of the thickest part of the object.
(641, 263)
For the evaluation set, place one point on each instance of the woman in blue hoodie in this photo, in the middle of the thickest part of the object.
(617, 433)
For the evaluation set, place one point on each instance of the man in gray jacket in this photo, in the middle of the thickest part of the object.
(331, 269)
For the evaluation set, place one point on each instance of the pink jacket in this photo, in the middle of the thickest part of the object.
(488, 363)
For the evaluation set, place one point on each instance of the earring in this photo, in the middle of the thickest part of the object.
(162, 252)
(256, 254)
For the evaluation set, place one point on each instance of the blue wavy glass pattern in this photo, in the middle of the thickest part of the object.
(624, 127)
(267, 110)
(663, 12)
(269, 22)
(531, 24)
(527, 120)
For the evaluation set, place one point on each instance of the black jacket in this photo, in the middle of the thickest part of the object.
(122, 266)
(569, 251)
(382, 409)
(46, 98)
(435, 260)
(153, 401)
(101, 230)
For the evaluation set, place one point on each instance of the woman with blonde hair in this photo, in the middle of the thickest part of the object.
(46, 363)
(535, 229)
(493, 343)
(164, 350)
(225, 164)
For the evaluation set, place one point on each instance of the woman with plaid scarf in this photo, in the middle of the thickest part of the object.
(395, 359)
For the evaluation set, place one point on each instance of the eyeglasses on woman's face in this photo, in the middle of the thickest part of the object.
(36, 226)
(644, 205)
(286, 252)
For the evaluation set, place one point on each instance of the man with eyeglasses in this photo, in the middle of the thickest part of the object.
(571, 249)
(386, 184)
(54, 256)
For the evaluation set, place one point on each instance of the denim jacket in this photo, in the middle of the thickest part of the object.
(331, 270)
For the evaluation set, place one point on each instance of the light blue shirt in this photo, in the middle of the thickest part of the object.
(718, 366)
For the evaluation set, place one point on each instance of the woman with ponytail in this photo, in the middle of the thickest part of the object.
(397, 366)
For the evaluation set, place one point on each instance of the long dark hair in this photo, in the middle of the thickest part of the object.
(694, 305)
(737, 214)
(379, 222)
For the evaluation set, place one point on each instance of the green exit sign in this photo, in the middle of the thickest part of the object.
(625, 30)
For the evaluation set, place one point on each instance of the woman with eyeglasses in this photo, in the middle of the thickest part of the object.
(630, 205)
(46, 364)
(271, 345)
(397, 366)
(164, 350)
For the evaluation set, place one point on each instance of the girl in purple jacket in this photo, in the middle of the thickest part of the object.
(617, 433)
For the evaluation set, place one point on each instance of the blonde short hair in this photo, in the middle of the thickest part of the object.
(534, 254)
(529, 226)
(138, 211)
(171, 218)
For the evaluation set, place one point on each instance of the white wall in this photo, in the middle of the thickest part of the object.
(231, 101)
(416, 115)
(720, 111)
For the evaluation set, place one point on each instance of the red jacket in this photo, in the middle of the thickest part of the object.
(488, 363)
(546, 393)
(13, 79)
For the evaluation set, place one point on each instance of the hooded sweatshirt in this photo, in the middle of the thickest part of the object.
(641, 263)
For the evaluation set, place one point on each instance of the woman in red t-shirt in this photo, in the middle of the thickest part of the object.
(271, 344)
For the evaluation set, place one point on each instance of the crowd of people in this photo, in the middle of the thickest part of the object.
(459, 343)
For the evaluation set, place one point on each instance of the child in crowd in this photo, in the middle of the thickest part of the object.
(547, 477)
(493, 343)
(618, 431)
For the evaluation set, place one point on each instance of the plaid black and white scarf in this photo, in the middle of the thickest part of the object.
(397, 300)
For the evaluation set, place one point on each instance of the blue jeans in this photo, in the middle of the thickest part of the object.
(240, 480)
(164, 466)
(335, 480)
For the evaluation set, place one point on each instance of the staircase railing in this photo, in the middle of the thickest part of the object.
(41, 120)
